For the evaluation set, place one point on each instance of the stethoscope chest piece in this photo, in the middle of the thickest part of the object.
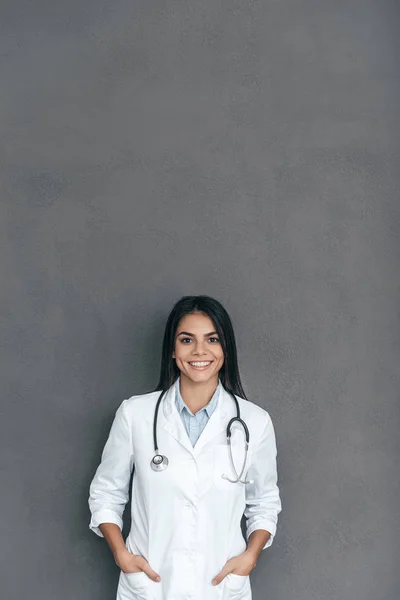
(159, 462)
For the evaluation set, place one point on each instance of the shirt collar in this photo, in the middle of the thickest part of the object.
(209, 408)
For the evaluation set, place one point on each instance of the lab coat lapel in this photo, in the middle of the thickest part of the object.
(216, 424)
(171, 421)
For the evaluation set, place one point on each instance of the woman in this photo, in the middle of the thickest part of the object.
(188, 500)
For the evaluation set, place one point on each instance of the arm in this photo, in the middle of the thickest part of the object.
(263, 502)
(257, 542)
(113, 536)
(109, 493)
(109, 490)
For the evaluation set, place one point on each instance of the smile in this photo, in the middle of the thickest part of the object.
(200, 365)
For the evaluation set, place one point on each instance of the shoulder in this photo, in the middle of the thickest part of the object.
(143, 404)
(258, 418)
(252, 410)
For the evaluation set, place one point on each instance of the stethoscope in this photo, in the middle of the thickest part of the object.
(159, 462)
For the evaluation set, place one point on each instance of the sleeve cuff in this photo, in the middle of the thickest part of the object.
(104, 515)
(267, 526)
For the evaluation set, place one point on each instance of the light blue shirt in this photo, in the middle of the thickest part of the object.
(194, 424)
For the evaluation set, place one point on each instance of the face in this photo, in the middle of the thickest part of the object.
(198, 351)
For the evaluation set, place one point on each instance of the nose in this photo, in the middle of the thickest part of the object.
(199, 349)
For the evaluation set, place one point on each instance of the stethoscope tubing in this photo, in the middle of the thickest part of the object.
(160, 462)
(155, 420)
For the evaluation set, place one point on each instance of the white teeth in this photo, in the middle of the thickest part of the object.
(200, 364)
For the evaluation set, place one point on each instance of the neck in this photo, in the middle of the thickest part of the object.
(197, 395)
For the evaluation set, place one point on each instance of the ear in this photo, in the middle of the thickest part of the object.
(173, 354)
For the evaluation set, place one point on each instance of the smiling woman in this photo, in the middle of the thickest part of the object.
(185, 539)
(199, 357)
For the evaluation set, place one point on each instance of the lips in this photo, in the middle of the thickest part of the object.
(200, 365)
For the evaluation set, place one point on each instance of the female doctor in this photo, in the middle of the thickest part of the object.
(193, 476)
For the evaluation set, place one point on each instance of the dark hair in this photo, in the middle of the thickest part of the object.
(229, 372)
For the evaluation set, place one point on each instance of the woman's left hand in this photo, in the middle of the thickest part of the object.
(239, 565)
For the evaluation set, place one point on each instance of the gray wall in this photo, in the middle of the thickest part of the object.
(243, 150)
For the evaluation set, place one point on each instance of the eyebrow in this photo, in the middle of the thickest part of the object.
(192, 335)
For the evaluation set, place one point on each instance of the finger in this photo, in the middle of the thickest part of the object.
(221, 575)
(130, 572)
(150, 572)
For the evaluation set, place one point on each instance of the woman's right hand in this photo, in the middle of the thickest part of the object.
(133, 563)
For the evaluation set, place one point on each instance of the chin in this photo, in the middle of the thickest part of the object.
(202, 375)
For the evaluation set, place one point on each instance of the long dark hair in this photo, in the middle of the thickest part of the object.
(229, 372)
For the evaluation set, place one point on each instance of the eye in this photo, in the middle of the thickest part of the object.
(214, 338)
(183, 340)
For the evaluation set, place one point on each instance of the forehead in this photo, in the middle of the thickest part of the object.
(196, 321)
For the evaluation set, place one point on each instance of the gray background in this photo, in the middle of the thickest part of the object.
(249, 151)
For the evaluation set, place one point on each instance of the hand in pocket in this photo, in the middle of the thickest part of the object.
(241, 565)
(134, 563)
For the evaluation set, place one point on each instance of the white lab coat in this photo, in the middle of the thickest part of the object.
(185, 520)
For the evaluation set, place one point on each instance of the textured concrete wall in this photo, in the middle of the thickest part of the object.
(244, 150)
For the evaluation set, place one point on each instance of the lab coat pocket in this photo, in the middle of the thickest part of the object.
(223, 465)
(236, 586)
(133, 585)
